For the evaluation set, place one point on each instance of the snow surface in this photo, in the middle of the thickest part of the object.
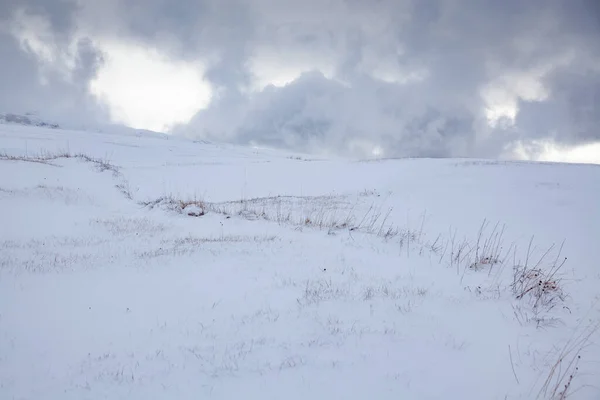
(306, 278)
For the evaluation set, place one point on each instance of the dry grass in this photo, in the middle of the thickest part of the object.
(488, 249)
(540, 285)
(196, 241)
(484, 254)
(45, 158)
(322, 290)
(43, 262)
(129, 226)
(558, 384)
(101, 165)
(178, 205)
(125, 189)
(189, 245)
(331, 213)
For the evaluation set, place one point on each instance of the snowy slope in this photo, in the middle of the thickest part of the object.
(304, 278)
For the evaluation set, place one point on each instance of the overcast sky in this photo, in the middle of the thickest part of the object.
(361, 78)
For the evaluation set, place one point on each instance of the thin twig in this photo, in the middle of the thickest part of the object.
(513, 365)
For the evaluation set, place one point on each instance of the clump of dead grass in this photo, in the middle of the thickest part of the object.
(541, 286)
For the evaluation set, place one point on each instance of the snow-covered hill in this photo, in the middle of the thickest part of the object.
(26, 120)
(300, 278)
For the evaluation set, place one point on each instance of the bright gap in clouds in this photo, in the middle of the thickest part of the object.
(589, 153)
(144, 89)
(550, 151)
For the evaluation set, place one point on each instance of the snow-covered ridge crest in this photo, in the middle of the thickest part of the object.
(28, 119)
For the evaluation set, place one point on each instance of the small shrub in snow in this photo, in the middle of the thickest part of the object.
(541, 286)
(487, 249)
(193, 210)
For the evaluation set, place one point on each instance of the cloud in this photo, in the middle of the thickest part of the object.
(359, 77)
(45, 69)
(420, 78)
(317, 114)
(29, 87)
(58, 13)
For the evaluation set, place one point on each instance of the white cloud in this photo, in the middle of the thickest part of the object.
(279, 68)
(548, 150)
(502, 95)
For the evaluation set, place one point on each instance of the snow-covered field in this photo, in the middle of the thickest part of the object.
(304, 279)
